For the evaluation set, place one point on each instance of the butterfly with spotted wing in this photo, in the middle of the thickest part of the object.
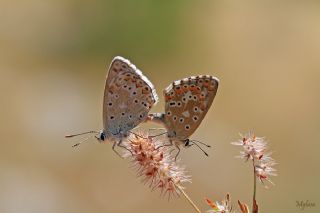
(187, 101)
(128, 98)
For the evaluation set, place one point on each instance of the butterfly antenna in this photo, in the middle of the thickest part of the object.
(84, 133)
(201, 143)
(195, 143)
(84, 140)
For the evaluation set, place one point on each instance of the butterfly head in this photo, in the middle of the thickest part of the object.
(101, 136)
(187, 142)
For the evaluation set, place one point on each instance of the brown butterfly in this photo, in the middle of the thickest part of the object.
(128, 98)
(187, 101)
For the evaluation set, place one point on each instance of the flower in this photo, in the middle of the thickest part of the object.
(264, 169)
(255, 148)
(223, 207)
(154, 164)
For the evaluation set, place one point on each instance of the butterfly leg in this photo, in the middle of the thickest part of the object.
(113, 148)
(153, 129)
(175, 158)
(124, 147)
(137, 135)
(163, 145)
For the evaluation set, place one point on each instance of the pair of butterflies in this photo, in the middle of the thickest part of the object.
(129, 96)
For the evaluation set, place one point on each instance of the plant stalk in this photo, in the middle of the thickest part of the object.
(188, 198)
(254, 186)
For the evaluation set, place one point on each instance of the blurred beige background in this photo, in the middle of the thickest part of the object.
(53, 59)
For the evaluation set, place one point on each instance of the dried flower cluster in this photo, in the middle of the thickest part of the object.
(255, 149)
(223, 207)
(155, 164)
(226, 206)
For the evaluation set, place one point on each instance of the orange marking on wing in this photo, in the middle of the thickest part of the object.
(185, 89)
(200, 97)
(193, 88)
(206, 84)
(203, 106)
(167, 97)
(111, 89)
(144, 91)
(179, 91)
(138, 84)
(127, 78)
(197, 90)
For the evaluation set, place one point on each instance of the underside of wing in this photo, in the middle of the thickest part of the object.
(186, 103)
(128, 97)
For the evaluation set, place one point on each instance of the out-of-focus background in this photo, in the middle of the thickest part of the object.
(53, 59)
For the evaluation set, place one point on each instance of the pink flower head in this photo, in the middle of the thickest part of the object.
(255, 149)
(154, 164)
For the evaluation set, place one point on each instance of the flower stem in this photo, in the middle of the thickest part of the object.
(188, 198)
(254, 186)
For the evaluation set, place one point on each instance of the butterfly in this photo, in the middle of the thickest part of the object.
(187, 101)
(128, 98)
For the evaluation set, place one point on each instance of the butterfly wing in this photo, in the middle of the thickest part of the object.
(128, 97)
(186, 103)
